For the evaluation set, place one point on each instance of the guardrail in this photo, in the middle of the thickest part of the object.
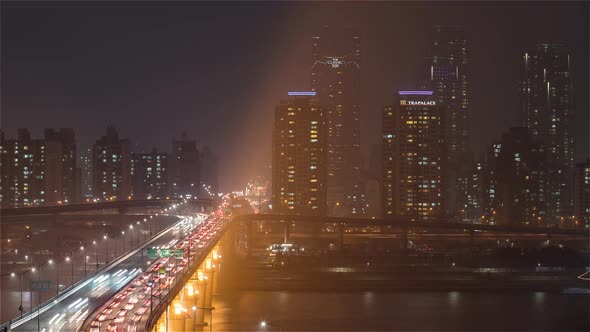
(160, 308)
(39, 309)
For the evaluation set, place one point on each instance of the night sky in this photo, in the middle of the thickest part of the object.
(217, 70)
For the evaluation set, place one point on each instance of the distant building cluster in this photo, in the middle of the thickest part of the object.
(424, 168)
(47, 171)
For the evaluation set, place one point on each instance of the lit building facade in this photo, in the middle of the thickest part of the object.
(299, 155)
(23, 171)
(111, 167)
(86, 169)
(447, 74)
(209, 170)
(413, 157)
(335, 76)
(185, 167)
(39, 172)
(582, 193)
(515, 190)
(548, 113)
(62, 182)
(149, 175)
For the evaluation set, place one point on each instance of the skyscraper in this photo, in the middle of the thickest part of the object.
(149, 175)
(335, 76)
(548, 113)
(582, 193)
(60, 153)
(111, 167)
(209, 170)
(184, 167)
(514, 181)
(447, 74)
(414, 159)
(299, 156)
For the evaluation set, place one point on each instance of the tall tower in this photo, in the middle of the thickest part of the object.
(548, 113)
(335, 76)
(299, 156)
(111, 167)
(414, 159)
(447, 74)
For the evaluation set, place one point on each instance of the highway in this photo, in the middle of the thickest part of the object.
(129, 309)
(68, 311)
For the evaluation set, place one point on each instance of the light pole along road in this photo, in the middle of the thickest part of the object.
(68, 310)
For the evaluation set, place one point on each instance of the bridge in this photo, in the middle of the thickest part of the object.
(402, 226)
(176, 294)
(122, 206)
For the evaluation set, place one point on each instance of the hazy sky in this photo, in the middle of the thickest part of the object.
(217, 70)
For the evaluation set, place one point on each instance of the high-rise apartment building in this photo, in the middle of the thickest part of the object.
(149, 175)
(299, 152)
(60, 177)
(38, 172)
(515, 180)
(184, 167)
(414, 159)
(86, 173)
(582, 193)
(447, 74)
(335, 76)
(548, 113)
(111, 167)
(209, 170)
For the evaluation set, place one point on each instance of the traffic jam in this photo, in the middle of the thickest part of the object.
(132, 305)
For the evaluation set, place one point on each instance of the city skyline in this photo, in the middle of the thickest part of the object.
(494, 94)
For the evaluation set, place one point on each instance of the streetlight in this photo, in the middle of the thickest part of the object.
(123, 233)
(56, 275)
(106, 250)
(131, 231)
(95, 254)
(71, 261)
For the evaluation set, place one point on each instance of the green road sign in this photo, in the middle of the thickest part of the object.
(178, 253)
(165, 252)
(152, 253)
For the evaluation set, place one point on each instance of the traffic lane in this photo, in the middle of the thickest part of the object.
(85, 291)
(128, 309)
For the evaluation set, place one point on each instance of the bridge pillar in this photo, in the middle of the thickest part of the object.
(287, 232)
(340, 236)
(250, 230)
(404, 241)
(176, 317)
(189, 300)
(202, 293)
(210, 273)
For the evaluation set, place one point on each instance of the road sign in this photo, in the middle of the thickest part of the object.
(40, 285)
(178, 253)
(165, 252)
(152, 253)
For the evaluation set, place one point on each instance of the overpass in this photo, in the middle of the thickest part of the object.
(122, 206)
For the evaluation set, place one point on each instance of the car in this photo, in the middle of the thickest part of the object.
(129, 306)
